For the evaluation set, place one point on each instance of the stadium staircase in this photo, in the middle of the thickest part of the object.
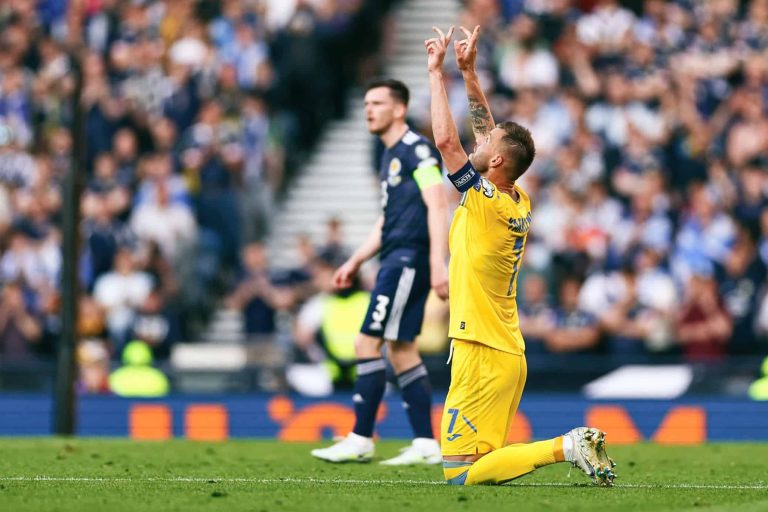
(339, 180)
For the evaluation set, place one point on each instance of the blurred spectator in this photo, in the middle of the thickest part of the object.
(535, 313)
(333, 245)
(93, 367)
(120, 292)
(256, 296)
(91, 321)
(20, 328)
(261, 176)
(126, 153)
(705, 236)
(171, 225)
(642, 227)
(31, 258)
(157, 324)
(523, 63)
(573, 329)
(605, 30)
(613, 299)
(703, 326)
(105, 182)
(741, 280)
(103, 233)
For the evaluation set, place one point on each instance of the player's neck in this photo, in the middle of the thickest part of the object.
(393, 135)
(502, 184)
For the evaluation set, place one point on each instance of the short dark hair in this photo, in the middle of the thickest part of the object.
(397, 89)
(520, 147)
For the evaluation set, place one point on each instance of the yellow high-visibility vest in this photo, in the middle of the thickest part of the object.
(342, 318)
(139, 381)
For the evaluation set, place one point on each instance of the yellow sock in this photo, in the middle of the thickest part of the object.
(514, 461)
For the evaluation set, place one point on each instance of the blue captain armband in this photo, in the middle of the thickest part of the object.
(465, 178)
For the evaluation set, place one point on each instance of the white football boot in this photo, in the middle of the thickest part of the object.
(589, 455)
(353, 448)
(422, 450)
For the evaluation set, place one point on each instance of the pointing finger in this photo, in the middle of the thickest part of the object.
(475, 34)
(467, 33)
(450, 34)
(439, 32)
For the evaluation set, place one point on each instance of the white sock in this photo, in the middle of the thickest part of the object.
(568, 448)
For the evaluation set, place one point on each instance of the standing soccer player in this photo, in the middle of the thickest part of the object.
(487, 240)
(411, 237)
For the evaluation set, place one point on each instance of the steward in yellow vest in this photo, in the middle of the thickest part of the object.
(758, 390)
(137, 377)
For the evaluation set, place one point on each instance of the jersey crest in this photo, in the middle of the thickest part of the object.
(485, 186)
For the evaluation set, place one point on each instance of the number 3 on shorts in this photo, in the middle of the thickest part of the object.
(380, 312)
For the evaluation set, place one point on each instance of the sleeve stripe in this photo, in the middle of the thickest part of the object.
(427, 176)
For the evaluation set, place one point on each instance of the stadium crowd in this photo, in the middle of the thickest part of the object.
(650, 185)
(195, 114)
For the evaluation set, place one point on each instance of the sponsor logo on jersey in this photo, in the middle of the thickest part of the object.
(394, 180)
(520, 225)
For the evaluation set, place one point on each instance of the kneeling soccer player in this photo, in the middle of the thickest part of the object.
(487, 240)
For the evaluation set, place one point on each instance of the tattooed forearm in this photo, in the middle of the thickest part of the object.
(482, 122)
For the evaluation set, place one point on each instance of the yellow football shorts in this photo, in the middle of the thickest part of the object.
(486, 386)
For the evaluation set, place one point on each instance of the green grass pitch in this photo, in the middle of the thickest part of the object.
(115, 475)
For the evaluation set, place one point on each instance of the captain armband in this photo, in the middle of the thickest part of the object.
(465, 178)
(427, 176)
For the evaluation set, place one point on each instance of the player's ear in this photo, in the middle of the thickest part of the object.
(400, 110)
(496, 161)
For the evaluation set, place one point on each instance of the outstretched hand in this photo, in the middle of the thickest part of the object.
(436, 48)
(342, 278)
(466, 49)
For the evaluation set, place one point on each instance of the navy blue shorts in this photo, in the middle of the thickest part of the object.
(397, 303)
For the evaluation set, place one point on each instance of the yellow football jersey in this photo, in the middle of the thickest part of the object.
(487, 241)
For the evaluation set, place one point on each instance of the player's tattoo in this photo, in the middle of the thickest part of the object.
(482, 122)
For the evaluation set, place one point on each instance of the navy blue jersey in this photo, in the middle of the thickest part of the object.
(405, 235)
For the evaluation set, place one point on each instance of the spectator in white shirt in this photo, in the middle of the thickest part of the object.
(120, 292)
(170, 224)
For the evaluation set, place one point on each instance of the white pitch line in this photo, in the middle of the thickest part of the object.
(327, 481)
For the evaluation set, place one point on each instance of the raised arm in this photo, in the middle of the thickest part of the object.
(443, 126)
(479, 110)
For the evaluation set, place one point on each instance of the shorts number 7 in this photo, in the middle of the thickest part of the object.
(454, 413)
